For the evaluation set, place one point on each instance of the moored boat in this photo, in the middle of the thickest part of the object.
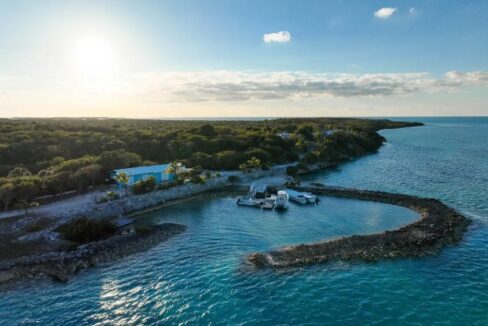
(311, 198)
(301, 197)
(296, 196)
(281, 200)
(249, 202)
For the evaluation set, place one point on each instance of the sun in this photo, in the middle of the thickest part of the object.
(95, 59)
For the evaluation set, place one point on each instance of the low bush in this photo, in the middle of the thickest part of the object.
(144, 186)
(84, 230)
(292, 170)
(197, 179)
(109, 196)
(38, 225)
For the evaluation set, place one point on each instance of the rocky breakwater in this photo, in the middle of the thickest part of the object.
(62, 265)
(438, 226)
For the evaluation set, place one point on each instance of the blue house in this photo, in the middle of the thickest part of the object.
(145, 172)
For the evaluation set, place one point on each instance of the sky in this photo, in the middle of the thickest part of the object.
(216, 58)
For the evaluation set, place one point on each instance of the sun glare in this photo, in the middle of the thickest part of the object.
(95, 59)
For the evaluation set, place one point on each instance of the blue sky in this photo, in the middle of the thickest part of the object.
(199, 58)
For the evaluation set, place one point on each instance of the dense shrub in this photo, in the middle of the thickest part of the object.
(197, 179)
(291, 170)
(310, 158)
(252, 163)
(109, 196)
(84, 230)
(291, 157)
(144, 186)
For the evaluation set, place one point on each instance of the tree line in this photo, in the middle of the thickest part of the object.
(51, 156)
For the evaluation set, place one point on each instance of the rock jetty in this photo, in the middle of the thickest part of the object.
(438, 226)
(60, 266)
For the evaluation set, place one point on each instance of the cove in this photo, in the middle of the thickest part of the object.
(217, 225)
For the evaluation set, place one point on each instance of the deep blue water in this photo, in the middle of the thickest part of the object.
(195, 278)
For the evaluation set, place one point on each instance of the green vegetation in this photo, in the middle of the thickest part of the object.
(84, 230)
(123, 178)
(38, 225)
(252, 163)
(41, 157)
(175, 169)
(144, 186)
(109, 196)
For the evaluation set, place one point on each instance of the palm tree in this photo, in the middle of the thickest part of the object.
(123, 178)
(175, 169)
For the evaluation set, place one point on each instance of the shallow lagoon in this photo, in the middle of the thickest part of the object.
(197, 276)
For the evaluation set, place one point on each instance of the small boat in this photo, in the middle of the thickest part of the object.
(258, 191)
(281, 200)
(249, 202)
(255, 198)
(267, 204)
(301, 197)
(296, 196)
(311, 198)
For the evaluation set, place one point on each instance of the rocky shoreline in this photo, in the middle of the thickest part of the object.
(62, 265)
(438, 226)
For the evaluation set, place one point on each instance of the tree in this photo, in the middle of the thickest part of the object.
(175, 169)
(80, 179)
(19, 171)
(201, 159)
(306, 132)
(207, 130)
(25, 191)
(118, 159)
(93, 172)
(252, 163)
(144, 186)
(123, 178)
(6, 194)
(86, 176)
(57, 183)
(228, 160)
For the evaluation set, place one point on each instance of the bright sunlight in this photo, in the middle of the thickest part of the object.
(95, 60)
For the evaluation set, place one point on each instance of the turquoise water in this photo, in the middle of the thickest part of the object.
(196, 277)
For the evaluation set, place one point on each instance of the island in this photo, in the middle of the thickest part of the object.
(68, 202)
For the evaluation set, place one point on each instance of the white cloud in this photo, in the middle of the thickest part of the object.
(279, 37)
(228, 86)
(385, 13)
(239, 92)
(412, 11)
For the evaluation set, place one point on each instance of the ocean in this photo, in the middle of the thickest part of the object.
(198, 277)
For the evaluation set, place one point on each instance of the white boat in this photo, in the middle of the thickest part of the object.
(259, 191)
(281, 200)
(301, 197)
(296, 196)
(311, 198)
(249, 202)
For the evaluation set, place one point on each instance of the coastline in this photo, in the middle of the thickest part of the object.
(61, 266)
(53, 263)
(438, 226)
